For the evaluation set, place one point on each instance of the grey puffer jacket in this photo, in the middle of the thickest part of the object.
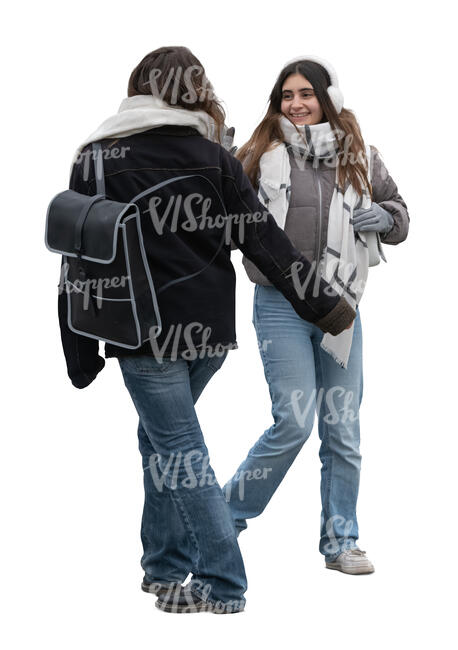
(307, 218)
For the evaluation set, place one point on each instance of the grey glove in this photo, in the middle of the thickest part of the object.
(375, 219)
(228, 140)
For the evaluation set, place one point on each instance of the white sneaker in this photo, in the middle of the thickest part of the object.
(352, 561)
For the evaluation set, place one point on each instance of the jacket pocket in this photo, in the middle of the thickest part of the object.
(302, 228)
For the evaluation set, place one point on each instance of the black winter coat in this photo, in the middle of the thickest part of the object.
(187, 231)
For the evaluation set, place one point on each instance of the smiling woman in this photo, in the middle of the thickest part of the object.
(312, 170)
(305, 86)
(299, 101)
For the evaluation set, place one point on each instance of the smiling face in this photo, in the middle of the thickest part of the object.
(299, 102)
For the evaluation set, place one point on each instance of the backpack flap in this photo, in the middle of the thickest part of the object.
(84, 226)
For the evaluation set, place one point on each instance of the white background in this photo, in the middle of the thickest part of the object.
(71, 479)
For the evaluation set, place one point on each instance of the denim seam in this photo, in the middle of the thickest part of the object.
(325, 433)
(177, 499)
(263, 355)
(261, 347)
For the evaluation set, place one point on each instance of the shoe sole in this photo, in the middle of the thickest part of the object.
(196, 608)
(353, 572)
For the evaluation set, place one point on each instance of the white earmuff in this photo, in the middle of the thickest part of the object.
(334, 91)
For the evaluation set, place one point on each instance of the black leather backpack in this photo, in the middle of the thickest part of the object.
(110, 291)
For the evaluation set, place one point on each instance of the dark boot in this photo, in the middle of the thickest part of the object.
(182, 600)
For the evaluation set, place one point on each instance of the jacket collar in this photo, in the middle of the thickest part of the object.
(172, 129)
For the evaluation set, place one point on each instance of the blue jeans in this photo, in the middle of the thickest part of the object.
(186, 523)
(302, 379)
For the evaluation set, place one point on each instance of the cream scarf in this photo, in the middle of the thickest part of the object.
(144, 112)
(345, 261)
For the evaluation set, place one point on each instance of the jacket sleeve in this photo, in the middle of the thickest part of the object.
(385, 193)
(81, 352)
(255, 231)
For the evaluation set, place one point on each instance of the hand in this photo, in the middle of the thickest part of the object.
(348, 327)
(228, 139)
(375, 219)
(86, 375)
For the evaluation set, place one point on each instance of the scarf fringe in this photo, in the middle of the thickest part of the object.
(333, 354)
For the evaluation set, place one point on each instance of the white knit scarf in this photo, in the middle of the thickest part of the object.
(345, 260)
(144, 112)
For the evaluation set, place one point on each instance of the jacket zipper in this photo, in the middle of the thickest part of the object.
(320, 218)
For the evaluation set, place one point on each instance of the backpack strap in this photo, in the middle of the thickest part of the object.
(98, 166)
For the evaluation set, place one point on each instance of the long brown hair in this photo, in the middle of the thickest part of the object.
(268, 134)
(177, 76)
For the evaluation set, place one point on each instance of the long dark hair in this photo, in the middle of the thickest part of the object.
(268, 133)
(177, 76)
